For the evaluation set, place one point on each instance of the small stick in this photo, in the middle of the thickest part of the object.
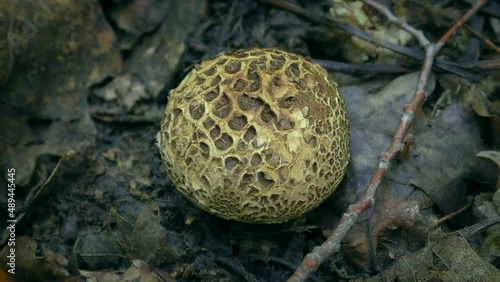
(462, 21)
(418, 34)
(313, 260)
(483, 65)
(485, 39)
(358, 69)
(459, 211)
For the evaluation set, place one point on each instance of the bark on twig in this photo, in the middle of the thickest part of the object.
(313, 260)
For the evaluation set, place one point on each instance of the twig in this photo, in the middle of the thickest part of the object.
(313, 260)
(403, 50)
(483, 65)
(485, 39)
(358, 69)
(245, 258)
(418, 34)
(472, 30)
(462, 21)
(478, 227)
(459, 211)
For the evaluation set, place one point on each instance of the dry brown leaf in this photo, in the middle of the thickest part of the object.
(141, 235)
(444, 156)
(441, 157)
(139, 16)
(6, 53)
(141, 271)
(102, 276)
(494, 156)
(448, 258)
(371, 128)
(138, 271)
(98, 250)
(152, 63)
(34, 262)
(357, 50)
(59, 48)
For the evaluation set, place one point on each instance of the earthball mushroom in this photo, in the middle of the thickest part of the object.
(258, 136)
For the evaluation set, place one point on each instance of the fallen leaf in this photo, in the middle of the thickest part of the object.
(34, 262)
(141, 235)
(448, 258)
(69, 166)
(494, 156)
(98, 250)
(442, 155)
(43, 104)
(152, 63)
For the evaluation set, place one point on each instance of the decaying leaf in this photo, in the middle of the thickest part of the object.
(97, 251)
(141, 235)
(371, 130)
(56, 56)
(448, 258)
(206, 267)
(6, 52)
(358, 50)
(33, 262)
(443, 155)
(143, 271)
(494, 156)
(48, 78)
(481, 97)
(490, 249)
(139, 16)
(138, 271)
(101, 276)
(152, 64)
(69, 167)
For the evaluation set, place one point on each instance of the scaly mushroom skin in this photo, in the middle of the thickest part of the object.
(258, 136)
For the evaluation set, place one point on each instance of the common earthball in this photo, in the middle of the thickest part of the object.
(258, 136)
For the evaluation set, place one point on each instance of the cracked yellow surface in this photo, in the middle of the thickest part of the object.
(259, 136)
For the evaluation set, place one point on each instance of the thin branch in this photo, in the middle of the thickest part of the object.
(418, 34)
(485, 39)
(473, 10)
(403, 50)
(459, 211)
(359, 69)
(483, 65)
(313, 260)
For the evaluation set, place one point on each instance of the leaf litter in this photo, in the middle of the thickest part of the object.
(116, 199)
